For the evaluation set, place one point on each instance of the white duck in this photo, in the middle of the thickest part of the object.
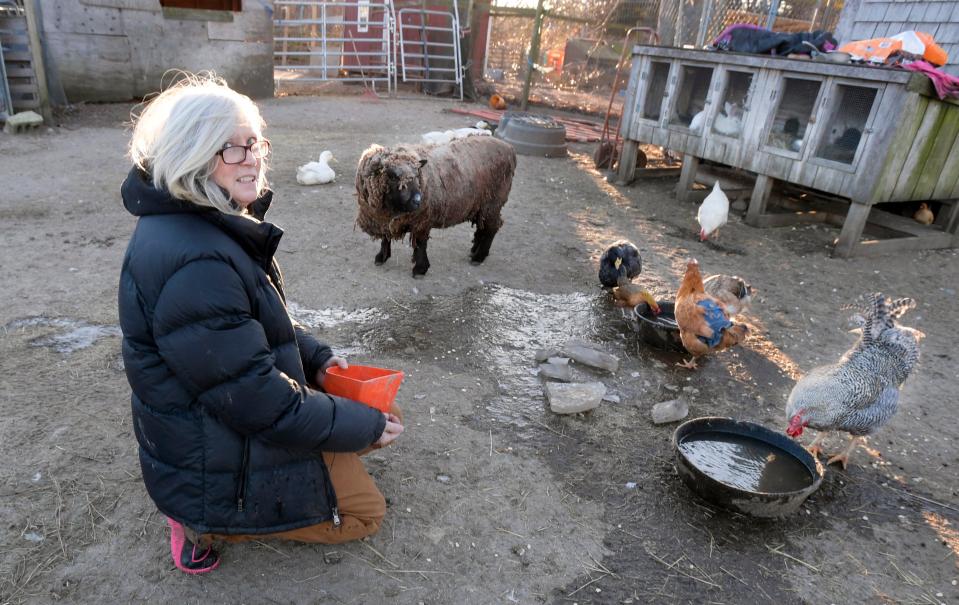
(316, 173)
(713, 212)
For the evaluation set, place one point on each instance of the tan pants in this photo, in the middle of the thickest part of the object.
(361, 505)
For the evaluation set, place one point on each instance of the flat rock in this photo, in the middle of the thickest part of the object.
(556, 371)
(575, 397)
(592, 357)
(670, 411)
(544, 354)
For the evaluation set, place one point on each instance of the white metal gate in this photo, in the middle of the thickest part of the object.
(429, 45)
(335, 40)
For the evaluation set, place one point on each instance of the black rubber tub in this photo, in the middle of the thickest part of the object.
(660, 331)
(744, 466)
(532, 134)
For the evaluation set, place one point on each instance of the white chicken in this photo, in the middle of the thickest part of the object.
(696, 124)
(729, 122)
(713, 212)
(437, 137)
(316, 173)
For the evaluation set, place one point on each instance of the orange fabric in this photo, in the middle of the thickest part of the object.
(876, 50)
(934, 53)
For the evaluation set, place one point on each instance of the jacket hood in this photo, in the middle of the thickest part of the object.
(259, 239)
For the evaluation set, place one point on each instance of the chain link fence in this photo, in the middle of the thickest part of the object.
(582, 41)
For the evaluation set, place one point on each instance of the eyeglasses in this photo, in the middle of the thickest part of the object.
(236, 154)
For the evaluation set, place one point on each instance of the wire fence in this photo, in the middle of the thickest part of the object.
(582, 41)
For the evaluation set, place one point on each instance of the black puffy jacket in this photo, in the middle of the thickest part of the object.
(230, 432)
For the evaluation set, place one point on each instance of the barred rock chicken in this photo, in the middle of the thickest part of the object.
(704, 325)
(859, 393)
(730, 290)
(620, 259)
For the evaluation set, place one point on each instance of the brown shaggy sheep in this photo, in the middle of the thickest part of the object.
(418, 188)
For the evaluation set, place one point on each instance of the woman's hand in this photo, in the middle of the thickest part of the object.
(332, 361)
(393, 429)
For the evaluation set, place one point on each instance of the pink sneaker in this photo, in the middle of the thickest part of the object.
(185, 555)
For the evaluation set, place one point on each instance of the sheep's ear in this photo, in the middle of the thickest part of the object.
(374, 166)
(422, 163)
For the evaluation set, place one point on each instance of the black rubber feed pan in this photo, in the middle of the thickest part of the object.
(744, 466)
(532, 134)
(660, 331)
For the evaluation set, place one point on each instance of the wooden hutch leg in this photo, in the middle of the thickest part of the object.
(627, 163)
(851, 229)
(687, 177)
(948, 217)
(760, 197)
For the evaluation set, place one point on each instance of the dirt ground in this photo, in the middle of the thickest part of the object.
(493, 499)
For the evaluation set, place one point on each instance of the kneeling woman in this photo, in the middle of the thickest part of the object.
(237, 439)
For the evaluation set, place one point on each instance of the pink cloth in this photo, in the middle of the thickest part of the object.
(946, 85)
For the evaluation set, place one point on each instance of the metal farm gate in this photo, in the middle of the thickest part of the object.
(429, 45)
(320, 40)
(365, 40)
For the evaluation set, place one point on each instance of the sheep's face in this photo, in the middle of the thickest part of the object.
(402, 186)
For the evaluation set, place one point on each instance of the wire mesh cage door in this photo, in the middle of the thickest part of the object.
(733, 103)
(794, 114)
(851, 107)
(690, 100)
(656, 80)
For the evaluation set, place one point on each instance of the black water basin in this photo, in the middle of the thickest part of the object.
(660, 331)
(744, 466)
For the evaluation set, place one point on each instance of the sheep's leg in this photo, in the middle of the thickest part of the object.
(482, 240)
(421, 263)
(384, 252)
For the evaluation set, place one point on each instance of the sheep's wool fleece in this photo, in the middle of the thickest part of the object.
(467, 180)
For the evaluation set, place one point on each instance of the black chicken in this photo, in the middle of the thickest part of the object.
(619, 260)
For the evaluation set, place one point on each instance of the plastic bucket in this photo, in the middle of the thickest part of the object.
(376, 387)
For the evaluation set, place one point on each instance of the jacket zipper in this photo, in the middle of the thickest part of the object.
(331, 494)
(244, 469)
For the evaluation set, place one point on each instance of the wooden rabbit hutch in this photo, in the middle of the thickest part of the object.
(865, 134)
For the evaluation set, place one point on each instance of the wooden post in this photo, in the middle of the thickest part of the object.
(773, 11)
(36, 59)
(760, 197)
(816, 15)
(948, 217)
(533, 53)
(687, 177)
(704, 20)
(851, 229)
(627, 163)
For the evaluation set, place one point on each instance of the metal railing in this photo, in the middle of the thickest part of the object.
(436, 62)
(321, 40)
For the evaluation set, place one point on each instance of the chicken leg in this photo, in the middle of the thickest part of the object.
(843, 458)
(815, 448)
(689, 365)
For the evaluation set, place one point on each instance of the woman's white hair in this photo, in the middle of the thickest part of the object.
(177, 137)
